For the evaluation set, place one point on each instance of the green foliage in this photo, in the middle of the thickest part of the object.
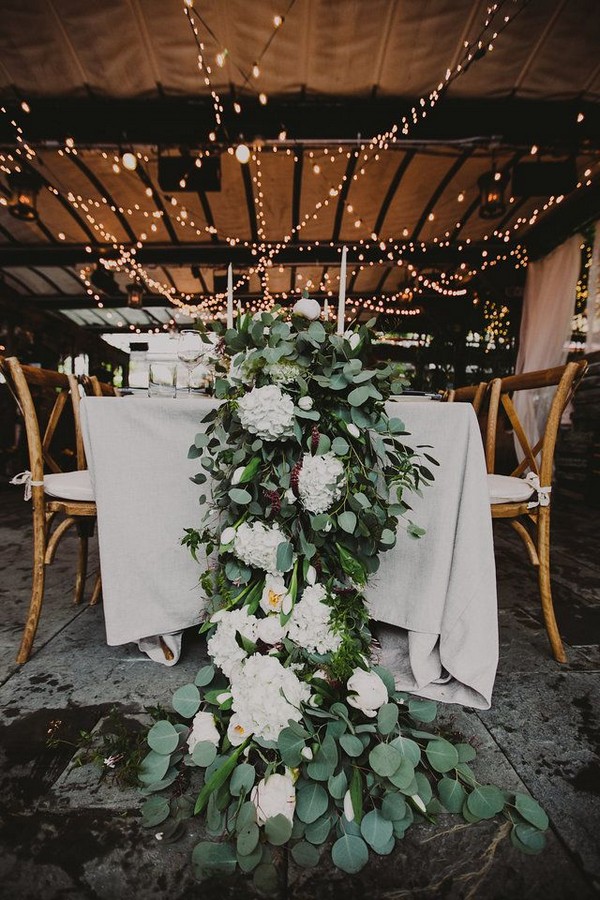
(360, 781)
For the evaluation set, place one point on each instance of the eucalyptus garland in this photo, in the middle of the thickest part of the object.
(292, 739)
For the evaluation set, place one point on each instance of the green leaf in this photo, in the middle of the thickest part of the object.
(356, 794)
(358, 396)
(387, 678)
(247, 839)
(290, 746)
(442, 755)
(528, 839)
(245, 816)
(162, 738)
(393, 807)
(250, 470)
(388, 537)
(278, 830)
(404, 777)
(376, 830)
(154, 811)
(452, 794)
(422, 710)
(285, 556)
(311, 802)
(466, 753)
(240, 496)
(385, 759)
(204, 753)
(249, 862)
(485, 801)
(318, 832)
(218, 778)
(340, 446)
(186, 701)
(347, 521)
(351, 745)
(153, 767)
(387, 718)
(265, 879)
(531, 810)
(325, 760)
(337, 785)
(350, 853)
(350, 565)
(305, 855)
(242, 779)
(408, 748)
(205, 676)
(209, 859)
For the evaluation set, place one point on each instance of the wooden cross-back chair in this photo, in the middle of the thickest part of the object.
(523, 498)
(96, 388)
(55, 494)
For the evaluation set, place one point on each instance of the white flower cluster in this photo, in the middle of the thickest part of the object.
(366, 692)
(283, 372)
(266, 696)
(256, 545)
(222, 647)
(309, 623)
(203, 729)
(267, 412)
(320, 482)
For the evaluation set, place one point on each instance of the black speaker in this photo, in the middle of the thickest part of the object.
(181, 174)
(541, 179)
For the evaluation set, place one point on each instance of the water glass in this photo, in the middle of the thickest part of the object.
(162, 379)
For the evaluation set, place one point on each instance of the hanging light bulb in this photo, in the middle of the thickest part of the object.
(237, 107)
(242, 153)
(263, 98)
(129, 161)
(255, 70)
(277, 21)
(221, 57)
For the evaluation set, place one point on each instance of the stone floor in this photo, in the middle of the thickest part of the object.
(68, 832)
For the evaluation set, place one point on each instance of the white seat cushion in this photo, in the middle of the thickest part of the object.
(69, 486)
(508, 489)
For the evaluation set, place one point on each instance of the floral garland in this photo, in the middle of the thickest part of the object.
(297, 739)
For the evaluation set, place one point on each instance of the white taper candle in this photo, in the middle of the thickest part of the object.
(342, 296)
(229, 296)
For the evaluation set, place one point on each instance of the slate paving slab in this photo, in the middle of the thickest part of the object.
(68, 832)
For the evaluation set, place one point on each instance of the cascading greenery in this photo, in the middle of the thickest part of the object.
(292, 738)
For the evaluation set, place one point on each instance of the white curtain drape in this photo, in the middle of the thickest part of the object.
(593, 301)
(548, 305)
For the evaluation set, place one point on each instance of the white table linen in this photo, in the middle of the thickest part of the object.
(435, 596)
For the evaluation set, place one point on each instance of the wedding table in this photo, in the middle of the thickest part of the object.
(434, 598)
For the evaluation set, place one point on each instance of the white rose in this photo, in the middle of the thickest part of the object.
(367, 692)
(237, 731)
(235, 478)
(353, 339)
(273, 594)
(227, 536)
(203, 729)
(273, 796)
(305, 403)
(307, 307)
(353, 430)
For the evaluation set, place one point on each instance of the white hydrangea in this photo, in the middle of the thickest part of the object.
(309, 625)
(266, 696)
(270, 630)
(256, 545)
(320, 481)
(283, 372)
(267, 412)
(222, 646)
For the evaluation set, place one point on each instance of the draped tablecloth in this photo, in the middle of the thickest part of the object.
(433, 597)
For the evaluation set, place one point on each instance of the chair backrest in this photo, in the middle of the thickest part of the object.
(471, 393)
(538, 456)
(96, 388)
(44, 397)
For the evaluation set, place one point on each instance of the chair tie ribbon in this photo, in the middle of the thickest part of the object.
(543, 493)
(25, 478)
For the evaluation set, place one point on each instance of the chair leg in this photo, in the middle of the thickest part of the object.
(97, 592)
(543, 535)
(37, 589)
(81, 569)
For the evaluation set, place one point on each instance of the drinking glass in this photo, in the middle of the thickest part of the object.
(190, 350)
(162, 379)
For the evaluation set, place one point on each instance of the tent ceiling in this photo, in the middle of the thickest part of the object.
(124, 73)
